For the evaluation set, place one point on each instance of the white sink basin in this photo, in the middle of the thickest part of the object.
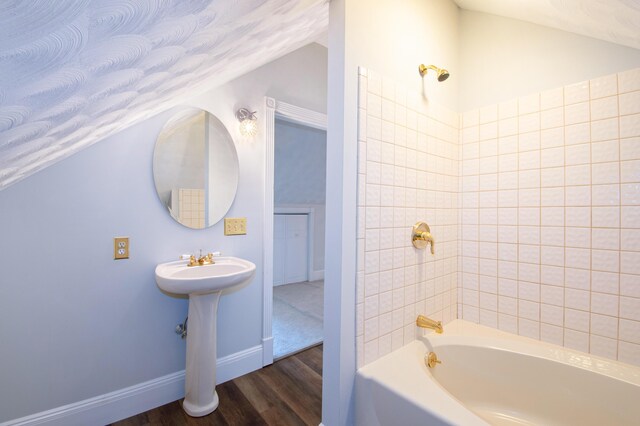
(227, 273)
(204, 285)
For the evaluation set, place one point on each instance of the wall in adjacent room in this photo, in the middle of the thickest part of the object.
(75, 323)
(300, 176)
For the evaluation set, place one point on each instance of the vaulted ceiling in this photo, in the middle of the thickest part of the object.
(75, 71)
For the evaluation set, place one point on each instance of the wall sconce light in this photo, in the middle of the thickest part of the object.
(248, 122)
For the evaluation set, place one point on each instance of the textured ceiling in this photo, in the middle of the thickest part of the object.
(617, 21)
(75, 71)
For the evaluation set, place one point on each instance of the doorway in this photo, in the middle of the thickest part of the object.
(294, 220)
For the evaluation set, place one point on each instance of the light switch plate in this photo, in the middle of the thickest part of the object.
(121, 248)
(235, 226)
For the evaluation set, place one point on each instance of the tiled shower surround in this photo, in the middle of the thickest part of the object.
(407, 172)
(550, 216)
(535, 209)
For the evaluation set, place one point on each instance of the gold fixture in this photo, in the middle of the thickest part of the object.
(441, 72)
(248, 122)
(431, 359)
(121, 248)
(421, 236)
(202, 260)
(424, 322)
(235, 226)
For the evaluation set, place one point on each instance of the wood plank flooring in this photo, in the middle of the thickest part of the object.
(289, 392)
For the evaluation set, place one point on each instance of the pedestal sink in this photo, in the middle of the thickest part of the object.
(204, 285)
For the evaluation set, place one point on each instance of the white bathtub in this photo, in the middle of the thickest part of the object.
(491, 377)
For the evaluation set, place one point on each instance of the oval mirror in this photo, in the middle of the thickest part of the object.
(195, 168)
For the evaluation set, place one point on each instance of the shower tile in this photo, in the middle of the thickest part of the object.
(602, 152)
(528, 104)
(578, 154)
(630, 126)
(630, 194)
(577, 278)
(577, 92)
(630, 285)
(605, 217)
(629, 353)
(576, 340)
(605, 304)
(551, 334)
(552, 98)
(576, 320)
(630, 149)
(552, 157)
(630, 308)
(552, 138)
(552, 118)
(488, 114)
(604, 86)
(604, 108)
(605, 282)
(577, 237)
(577, 196)
(579, 133)
(630, 217)
(470, 118)
(509, 126)
(629, 81)
(630, 262)
(602, 346)
(553, 295)
(374, 83)
(630, 171)
(602, 130)
(606, 239)
(529, 122)
(576, 113)
(630, 331)
(605, 260)
(579, 175)
(552, 255)
(528, 328)
(605, 173)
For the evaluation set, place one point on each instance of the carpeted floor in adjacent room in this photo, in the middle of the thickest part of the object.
(297, 317)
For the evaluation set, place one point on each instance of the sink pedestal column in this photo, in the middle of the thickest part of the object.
(200, 377)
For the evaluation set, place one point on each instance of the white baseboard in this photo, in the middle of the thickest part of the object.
(267, 351)
(123, 403)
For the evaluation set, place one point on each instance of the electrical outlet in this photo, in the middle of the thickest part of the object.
(235, 226)
(121, 248)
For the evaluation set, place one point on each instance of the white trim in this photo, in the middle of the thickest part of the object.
(127, 402)
(311, 226)
(294, 114)
(298, 115)
(267, 226)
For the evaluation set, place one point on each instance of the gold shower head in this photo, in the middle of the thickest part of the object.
(442, 73)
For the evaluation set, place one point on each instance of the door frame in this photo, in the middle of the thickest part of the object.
(294, 114)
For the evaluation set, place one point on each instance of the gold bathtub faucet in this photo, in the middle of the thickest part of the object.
(424, 322)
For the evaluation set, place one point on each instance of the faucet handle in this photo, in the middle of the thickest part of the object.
(184, 257)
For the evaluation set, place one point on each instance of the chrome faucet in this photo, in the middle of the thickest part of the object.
(424, 322)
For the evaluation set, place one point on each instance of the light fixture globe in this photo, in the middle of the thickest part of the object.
(248, 122)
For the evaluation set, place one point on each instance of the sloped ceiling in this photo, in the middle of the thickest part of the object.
(616, 21)
(75, 71)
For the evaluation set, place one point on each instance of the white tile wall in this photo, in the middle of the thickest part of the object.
(407, 172)
(550, 216)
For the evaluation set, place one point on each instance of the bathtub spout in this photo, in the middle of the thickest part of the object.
(424, 322)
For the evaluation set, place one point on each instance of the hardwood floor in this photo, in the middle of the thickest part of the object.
(289, 392)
